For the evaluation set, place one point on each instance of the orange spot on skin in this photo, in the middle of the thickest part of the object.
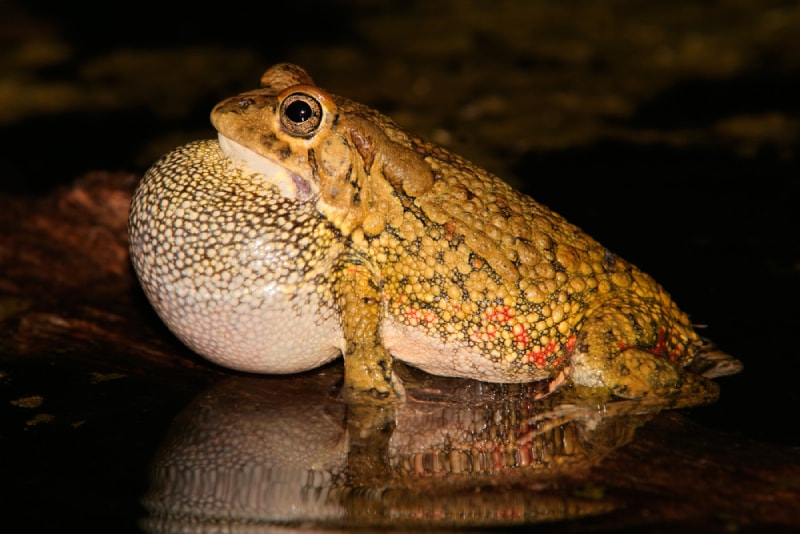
(449, 231)
(571, 343)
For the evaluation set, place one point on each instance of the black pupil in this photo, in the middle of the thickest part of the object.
(298, 111)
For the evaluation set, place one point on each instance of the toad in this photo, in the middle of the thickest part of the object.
(316, 227)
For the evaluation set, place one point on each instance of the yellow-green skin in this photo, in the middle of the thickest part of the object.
(320, 227)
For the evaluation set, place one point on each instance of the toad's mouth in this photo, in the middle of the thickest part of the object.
(288, 183)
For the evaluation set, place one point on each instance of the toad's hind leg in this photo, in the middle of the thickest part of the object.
(367, 364)
(621, 351)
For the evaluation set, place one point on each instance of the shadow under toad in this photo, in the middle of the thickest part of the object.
(256, 452)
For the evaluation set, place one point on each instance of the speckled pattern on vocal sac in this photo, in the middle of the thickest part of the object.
(228, 262)
(427, 258)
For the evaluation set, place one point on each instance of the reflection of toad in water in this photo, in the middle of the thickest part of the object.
(265, 451)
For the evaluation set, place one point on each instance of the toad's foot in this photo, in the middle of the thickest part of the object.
(622, 355)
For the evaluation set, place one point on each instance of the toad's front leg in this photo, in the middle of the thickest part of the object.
(367, 364)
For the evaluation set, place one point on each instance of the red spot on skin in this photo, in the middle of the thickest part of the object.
(661, 345)
(356, 270)
(538, 358)
(521, 336)
(500, 314)
(412, 316)
(571, 343)
(484, 335)
(497, 314)
(430, 317)
(415, 315)
(660, 348)
(538, 355)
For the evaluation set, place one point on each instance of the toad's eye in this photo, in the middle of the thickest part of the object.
(301, 115)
